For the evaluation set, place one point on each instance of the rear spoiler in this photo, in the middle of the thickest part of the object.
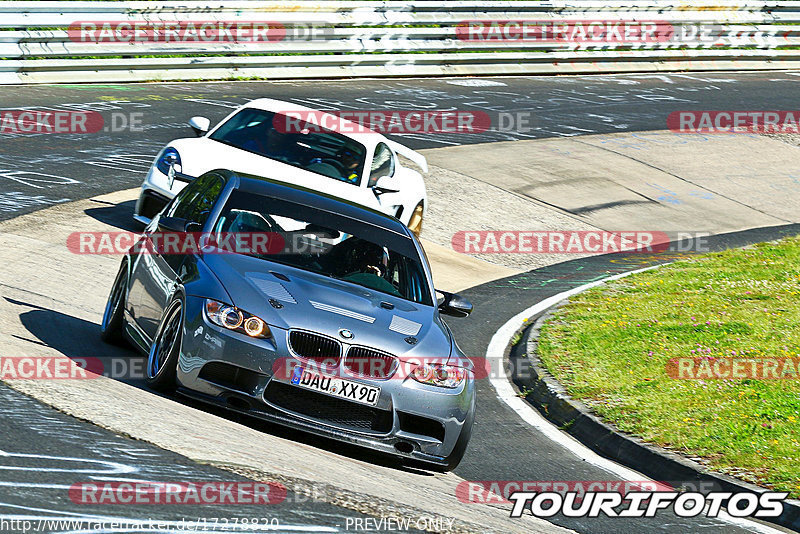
(406, 152)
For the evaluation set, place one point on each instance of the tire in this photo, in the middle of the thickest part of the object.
(112, 325)
(415, 222)
(162, 360)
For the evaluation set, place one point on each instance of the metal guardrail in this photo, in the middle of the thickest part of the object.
(42, 42)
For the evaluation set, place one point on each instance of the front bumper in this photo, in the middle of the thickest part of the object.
(226, 368)
(154, 195)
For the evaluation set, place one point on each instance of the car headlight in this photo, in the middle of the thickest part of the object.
(169, 157)
(233, 318)
(441, 375)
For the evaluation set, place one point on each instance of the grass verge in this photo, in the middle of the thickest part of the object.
(611, 347)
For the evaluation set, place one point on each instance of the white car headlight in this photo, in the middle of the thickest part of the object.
(233, 318)
(169, 157)
(441, 375)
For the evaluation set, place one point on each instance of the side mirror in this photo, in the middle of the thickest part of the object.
(455, 305)
(200, 125)
(385, 184)
(177, 224)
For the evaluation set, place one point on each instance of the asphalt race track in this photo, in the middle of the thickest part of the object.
(42, 169)
(44, 453)
(37, 171)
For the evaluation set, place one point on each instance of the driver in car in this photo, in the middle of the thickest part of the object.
(277, 145)
(367, 266)
(267, 141)
(350, 164)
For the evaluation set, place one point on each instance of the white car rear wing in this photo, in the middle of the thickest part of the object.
(406, 152)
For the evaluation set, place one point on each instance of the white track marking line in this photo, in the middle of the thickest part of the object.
(113, 467)
(505, 392)
(40, 485)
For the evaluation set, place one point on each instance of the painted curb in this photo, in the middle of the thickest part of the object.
(550, 398)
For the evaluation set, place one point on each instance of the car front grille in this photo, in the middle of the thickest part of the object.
(320, 349)
(329, 409)
(371, 363)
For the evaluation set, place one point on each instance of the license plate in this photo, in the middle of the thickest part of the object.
(337, 387)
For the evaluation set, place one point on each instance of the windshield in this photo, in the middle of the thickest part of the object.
(328, 244)
(313, 148)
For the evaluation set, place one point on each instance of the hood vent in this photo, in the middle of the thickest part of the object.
(404, 326)
(341, 311)
(270, 288)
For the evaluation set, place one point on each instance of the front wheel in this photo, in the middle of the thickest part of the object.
(162, 360)
(111, 327)
(415, 222)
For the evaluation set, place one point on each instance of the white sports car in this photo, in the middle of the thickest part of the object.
(362, 167)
